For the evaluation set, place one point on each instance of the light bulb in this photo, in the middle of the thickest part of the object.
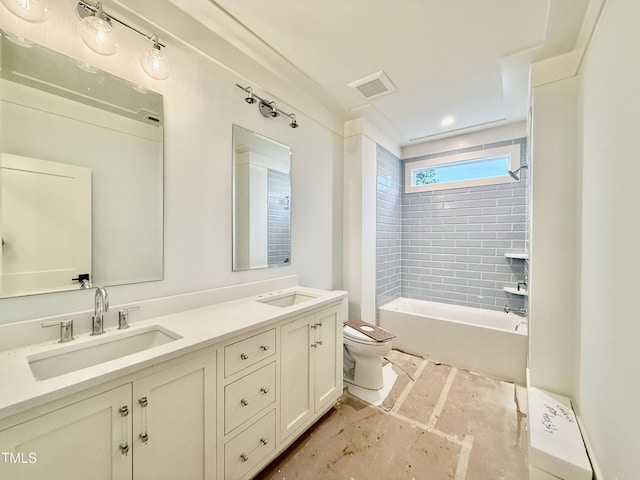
(97, 33)
(34, 11)
(153, 61)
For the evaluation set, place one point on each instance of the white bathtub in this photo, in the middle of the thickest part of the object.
(482, 341)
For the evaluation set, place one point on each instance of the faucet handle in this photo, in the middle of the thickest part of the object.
(123, 316)
(66, 329)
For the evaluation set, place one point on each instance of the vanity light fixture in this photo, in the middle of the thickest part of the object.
(250, 99)
(96, 31)
(34, 11)
(153, 61)
(274, 111)
(267, 108)
(98, 34)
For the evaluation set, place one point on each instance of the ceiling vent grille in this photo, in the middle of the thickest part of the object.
(374, 85)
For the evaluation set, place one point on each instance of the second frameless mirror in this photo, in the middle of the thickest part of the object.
(261, 201)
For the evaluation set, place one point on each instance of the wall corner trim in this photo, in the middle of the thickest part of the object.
(556, 68)
(361, 126)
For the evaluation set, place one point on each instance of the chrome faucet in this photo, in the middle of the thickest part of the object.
(101, 305)
(519, 311)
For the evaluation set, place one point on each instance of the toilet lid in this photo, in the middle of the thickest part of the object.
(360, 337)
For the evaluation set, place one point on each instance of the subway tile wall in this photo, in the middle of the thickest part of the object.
(452, 242)
(278, 218)
(389, 227)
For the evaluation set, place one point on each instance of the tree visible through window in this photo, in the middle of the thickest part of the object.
(425, 176)
(483, 167)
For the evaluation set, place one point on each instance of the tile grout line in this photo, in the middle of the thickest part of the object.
(407, 390)
(463, 459)
(441, 401)
(429, 427)
(450, 438)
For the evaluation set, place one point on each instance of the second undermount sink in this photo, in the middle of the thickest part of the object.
(287, 299)
(103, 349)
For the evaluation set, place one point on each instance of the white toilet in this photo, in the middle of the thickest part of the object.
(363, 358)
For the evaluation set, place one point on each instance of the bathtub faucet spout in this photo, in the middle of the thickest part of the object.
(519, 311)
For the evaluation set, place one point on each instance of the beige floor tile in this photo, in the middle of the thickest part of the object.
(437, 423)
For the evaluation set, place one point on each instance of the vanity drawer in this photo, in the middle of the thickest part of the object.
(247, 396)
(249, 351)
(245, 451)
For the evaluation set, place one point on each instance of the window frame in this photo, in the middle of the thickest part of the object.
(512, 151)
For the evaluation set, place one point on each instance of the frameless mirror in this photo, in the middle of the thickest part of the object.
(81, 174)
(261, 201)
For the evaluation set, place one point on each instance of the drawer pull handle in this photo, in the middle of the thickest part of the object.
(262, 348)
(245, 456)
(245, 401)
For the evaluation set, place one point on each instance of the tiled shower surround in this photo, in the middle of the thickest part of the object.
(448, 245)
(278, 218)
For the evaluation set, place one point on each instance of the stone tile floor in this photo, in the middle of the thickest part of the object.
(438, 422)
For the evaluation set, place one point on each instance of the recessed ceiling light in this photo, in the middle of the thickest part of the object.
(447, 121)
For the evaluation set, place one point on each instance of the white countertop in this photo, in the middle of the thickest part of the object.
(199, 328)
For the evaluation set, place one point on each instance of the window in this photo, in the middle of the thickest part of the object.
(482, 167)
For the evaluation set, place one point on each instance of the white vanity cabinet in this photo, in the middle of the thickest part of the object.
(174, 422)
(311, 368)
(103, 436)
(85, 436)
(223, 409)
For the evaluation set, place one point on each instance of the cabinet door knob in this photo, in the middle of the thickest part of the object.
(244, 356)
(264, 348)
(124, 410)
(124, 449)
(244, 402)
(144, 437)
(264, 390)
(264, 441)
(244, 457)
(143, 402)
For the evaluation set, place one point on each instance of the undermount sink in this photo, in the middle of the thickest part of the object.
(107, 347)
(287, 299)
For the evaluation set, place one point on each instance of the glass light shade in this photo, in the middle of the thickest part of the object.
(98, 35)
(34, 11)
(154, 63)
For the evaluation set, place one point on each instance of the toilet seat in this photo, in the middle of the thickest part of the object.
(358, 337)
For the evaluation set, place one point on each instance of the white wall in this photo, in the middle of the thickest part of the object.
(201, 104)
(359, 270)
(609, 372)
(554, 242)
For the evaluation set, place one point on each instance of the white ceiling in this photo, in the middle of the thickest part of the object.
(467, 59)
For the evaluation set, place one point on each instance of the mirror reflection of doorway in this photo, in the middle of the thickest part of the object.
(45, 224)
